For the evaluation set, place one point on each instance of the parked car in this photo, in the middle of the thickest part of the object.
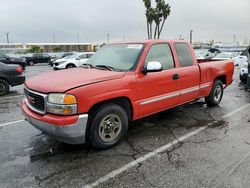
(226, 56)
(72, 61)
(244, 71)
(10, 75)
(240, 59)
(59, 56)
(12, 60)
(38, 58)
(123, 82)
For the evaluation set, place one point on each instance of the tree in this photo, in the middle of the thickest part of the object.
(158, 15)
(35, 49)
(57, 49)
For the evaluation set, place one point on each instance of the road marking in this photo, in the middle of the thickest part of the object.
(235, 111)
(10, 123)
(11, 97)
(154, 153)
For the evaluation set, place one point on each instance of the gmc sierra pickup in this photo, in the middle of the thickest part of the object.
(120, 83)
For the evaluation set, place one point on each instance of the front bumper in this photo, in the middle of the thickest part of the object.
(68, 129)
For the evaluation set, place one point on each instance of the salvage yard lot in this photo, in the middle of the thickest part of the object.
(218, 156)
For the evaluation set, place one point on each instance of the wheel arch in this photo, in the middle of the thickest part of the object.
(124, 102)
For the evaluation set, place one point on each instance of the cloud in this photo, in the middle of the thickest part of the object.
(37, 21)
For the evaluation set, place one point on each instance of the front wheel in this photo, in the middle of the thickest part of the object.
(4, 87)
(108, 126)
(216, 94)
(70, 66)
(31, 63)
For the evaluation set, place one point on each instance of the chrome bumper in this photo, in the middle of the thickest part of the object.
(72, 134)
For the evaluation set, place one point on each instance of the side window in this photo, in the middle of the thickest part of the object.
(184, 54)
(83, 56)
(162, 54)
(89, 55)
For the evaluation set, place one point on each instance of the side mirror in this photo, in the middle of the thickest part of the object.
(152, 66)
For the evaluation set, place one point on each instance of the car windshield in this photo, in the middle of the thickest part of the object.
(71, 56)
(121, 57)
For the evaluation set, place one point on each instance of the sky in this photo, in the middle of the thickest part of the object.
(92, 20)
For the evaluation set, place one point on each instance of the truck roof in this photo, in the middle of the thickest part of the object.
(149, 41)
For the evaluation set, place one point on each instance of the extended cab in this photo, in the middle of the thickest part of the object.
(121, 82)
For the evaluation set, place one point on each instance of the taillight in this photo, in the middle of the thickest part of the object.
(19, 70)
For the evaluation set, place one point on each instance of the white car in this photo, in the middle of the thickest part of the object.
(226, 56)
(72, 61)
(239, 60)
(244, 71)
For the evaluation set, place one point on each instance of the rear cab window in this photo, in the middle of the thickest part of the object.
(184, 54)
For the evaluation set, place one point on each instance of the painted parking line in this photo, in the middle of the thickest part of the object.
(11, 123)
(16, 96)
(155, 152)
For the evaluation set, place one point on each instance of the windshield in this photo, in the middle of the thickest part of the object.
(121, 57)
(71, 56)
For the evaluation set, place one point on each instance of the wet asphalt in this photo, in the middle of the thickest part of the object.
(219, 156)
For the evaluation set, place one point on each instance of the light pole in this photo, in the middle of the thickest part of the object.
(54, 38)
(108, 37)
(78, 41)
(7, 36)
(191, 36)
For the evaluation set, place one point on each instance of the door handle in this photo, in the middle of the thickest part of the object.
(176, 76)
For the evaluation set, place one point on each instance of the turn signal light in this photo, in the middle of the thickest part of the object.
(69, 99)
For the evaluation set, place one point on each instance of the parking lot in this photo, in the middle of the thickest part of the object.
(188, 146)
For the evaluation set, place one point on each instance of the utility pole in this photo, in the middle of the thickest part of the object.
(54, 38)
(124, 38)
(108, 37)
(7, 36)
(78, 41)
(191, 36)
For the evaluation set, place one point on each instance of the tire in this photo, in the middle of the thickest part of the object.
(31, 63)
(4, 87)
(69, 66)
(216, 94)
(242, 79)
(108, 125)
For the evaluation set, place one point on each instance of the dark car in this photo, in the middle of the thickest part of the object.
(12, 60)
(10, 75)
(38, 58)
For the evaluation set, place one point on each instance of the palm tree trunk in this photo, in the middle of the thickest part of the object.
(159, 33)
(148, 30)
(155, 31)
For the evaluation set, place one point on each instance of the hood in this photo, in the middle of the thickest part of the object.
(63, 80)
(60, 60)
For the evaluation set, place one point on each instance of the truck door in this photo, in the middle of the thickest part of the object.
(189, 73)
(158, 90)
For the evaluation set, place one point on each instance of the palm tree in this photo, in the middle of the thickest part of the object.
(157, 15)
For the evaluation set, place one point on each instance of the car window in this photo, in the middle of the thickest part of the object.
(162, 54)
(184, 54)
(84, 56)
(89, 55)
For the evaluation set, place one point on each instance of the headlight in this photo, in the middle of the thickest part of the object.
(63, 104)
(61, 62)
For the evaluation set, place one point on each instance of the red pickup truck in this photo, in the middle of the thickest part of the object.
(120, 83)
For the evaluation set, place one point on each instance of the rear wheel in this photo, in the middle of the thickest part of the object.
(216, 94)
(69, 66)
(108, 125)
(31, 63)
(4, 87)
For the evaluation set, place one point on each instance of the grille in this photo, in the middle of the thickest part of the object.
(35, 100)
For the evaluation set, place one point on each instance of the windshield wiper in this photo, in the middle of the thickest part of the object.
(106, 67)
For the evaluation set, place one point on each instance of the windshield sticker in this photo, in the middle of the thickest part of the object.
(135, 46)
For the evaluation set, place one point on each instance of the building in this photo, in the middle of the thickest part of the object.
(62, 47)
(51, 47)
